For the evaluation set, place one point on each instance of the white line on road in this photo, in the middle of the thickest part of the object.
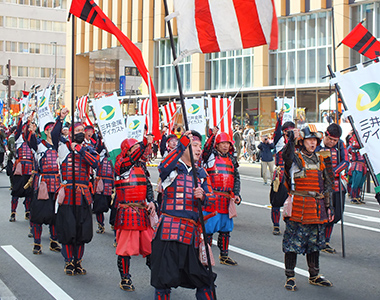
(33, 271)
(263, 259)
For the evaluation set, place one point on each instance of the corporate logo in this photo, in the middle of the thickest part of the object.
(42, 101)
(134, 125)
(193, 109)
(373, 91)
(107, 113)
(287, 107)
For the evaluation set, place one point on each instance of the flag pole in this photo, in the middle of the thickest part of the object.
(184, 114)
(73, 105)
(337, 122)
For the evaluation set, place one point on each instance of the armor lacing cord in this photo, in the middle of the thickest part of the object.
(313, 263)
(134, 205)
(290, 263)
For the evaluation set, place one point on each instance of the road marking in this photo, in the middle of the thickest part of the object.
(360, 226)
(33, 271)
(263, 259)
(362, 217)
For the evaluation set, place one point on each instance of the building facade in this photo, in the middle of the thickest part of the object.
(297, 68)
(33, 39)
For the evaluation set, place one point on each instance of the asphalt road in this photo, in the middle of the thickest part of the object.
(259, 275)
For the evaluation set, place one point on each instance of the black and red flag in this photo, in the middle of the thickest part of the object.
(361, 40)
(89, 11)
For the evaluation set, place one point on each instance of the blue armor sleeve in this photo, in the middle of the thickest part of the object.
(170, 161)
(343, 160)
(18, 130)
(31, 140)
(90, 156)
(56, 133)
(277, 132)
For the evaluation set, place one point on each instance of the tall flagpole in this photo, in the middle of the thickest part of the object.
(73, 104)
(337, 121)
(184, 113)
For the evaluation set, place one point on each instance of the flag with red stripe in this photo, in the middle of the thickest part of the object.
(90, 12)
(220, 113)
(168, 112)
(208, 26)
(361, 40)
(82, 109)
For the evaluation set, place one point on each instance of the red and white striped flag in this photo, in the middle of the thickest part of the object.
(208, 26)
(82, 109)
(168, 112)
(219, 108)
(144, 109)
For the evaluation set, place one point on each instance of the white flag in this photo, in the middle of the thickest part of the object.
(43, 109)
(111, 123)
(195, 110)
(287, 105)
(361, 93)
(220, 113)
(135, 127)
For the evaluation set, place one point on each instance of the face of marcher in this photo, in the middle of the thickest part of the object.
(223, 147)
(65, 132)
(197, 149)
(88, 134)
(330, 141)
(172, 143)
(310, 144)
(78, 129)
(48, 132)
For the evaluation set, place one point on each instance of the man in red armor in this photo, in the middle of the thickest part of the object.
(74, 218)
(308, 180)
(46, 183)
(175, 246)
(339, 160)
(22, 169)
(134, 200)
(222, 167)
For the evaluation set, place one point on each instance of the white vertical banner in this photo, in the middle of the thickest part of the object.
(43, 110)
(111, 123)
(287, 105)
(135, 127)
(195, 110)
(361, 93)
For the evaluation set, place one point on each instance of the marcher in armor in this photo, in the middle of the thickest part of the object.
(46, 183)
(168, 143)
(357, 172)
(134, 201)
(339, 160)
(280, 138)
(22, 169)
(89, 138)
(74, 218)
(308, 181)
(103, 187)
(175, 253)
(222, 167)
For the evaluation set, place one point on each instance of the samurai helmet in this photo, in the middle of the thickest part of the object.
(128, 144)
(223, 137)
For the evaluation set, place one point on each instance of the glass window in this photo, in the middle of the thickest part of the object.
(377, 32)
(1, 68)
(23, 23)
(1, 21)
(35, 24)
(281, 68)
(291, 33)
(61, 73)
(311, 31)
(301, 32)
(301, 67)
(34, 72)
(45, 72)
(61, 50)
(34, 48)
(11, 22)
(14, 70)
(22, 72)
(25, 2)
(311, 66)
(282, 34)
(322, 29)
(47, 25)
(322, 64)
(23, 47)
(1, 46)
(11, 46)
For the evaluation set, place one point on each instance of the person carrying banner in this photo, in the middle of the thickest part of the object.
(222, 167)
(23, 169)
(175, 254)
(357, 171)
(134, 201)
(74, 218)
(46, 183)
(339, 160)
(308, 181)
(278, 195)
(103, 186)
